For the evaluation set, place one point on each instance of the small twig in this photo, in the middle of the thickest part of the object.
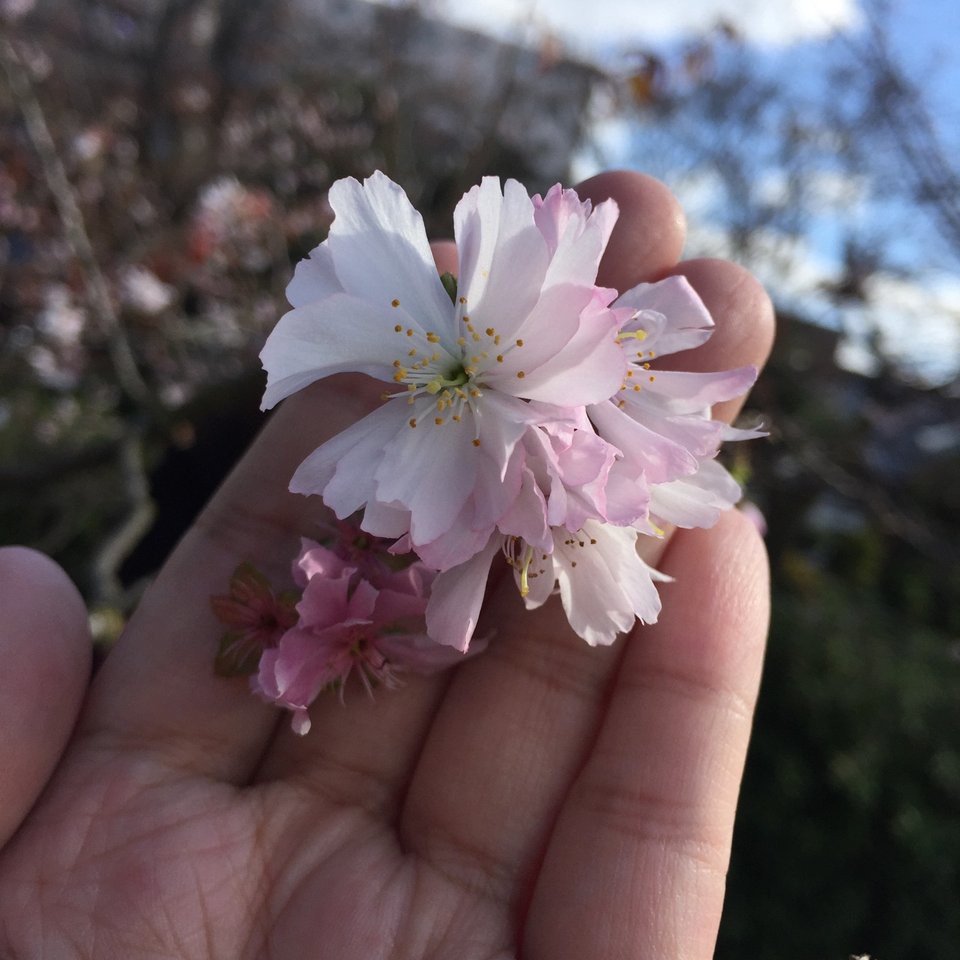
(98, 294)
(107, 588)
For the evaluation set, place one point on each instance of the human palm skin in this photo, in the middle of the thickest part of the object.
(545, 801)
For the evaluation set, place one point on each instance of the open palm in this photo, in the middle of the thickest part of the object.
(546, 800)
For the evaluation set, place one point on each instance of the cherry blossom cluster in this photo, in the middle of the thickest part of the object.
(527, 415)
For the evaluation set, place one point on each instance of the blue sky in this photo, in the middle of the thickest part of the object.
(920, 315)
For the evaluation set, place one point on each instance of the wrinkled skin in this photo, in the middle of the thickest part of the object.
(546, 801)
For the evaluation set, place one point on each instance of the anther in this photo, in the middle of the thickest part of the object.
(394, 303)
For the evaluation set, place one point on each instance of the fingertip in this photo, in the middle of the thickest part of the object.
(445, 256)
(650, 232)
(741, 308)
(46, 652)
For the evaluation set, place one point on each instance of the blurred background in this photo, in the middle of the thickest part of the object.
(163, 163)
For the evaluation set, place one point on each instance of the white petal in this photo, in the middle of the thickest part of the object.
(696, 501)
(380, 252)
(383, 520)
(430, 470)
(605, 585)
(314, 278)
(350, 459)
(502, 255)
(541, 579)
(545, 332)
(456, 596)
(581, 246)
(339, 334)
(598, 610)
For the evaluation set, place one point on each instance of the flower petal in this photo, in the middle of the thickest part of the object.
(339, 334)
(380, 251)
(347, 462)
(314, 278)
(456, 597)
(685, 393)
(687, 322)
(590, 367)
(696, 501)
(658, 457)
(576, 235)
(429, 470)
(502, 255)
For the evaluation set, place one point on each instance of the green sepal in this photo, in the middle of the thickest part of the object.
(449, 282)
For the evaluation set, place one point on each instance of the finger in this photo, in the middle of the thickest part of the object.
(45, 649)
(637, 861)
(650, 232)
(744, 320)
(516, 723)
(157, 691)
(353, 760)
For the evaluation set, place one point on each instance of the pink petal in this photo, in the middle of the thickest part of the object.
(698, 500)
(590, 367)
(547, 329)
(317, 561)
(417, 653)
(456, 598)
(576, 237)
(527, 517)
(685, 393)
(659, 458)
(687, 324)
(324, 602)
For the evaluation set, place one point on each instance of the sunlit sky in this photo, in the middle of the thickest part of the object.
(922, 315)
(769, 22)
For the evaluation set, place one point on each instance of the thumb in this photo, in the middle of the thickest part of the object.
(45, 655)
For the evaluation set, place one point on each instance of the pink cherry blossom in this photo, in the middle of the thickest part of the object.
(660, 419)
(349, 626)
(256, 618)
(528, 323)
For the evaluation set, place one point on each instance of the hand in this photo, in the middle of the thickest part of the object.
(546, 800)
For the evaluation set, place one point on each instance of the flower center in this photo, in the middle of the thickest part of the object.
(450, 375)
